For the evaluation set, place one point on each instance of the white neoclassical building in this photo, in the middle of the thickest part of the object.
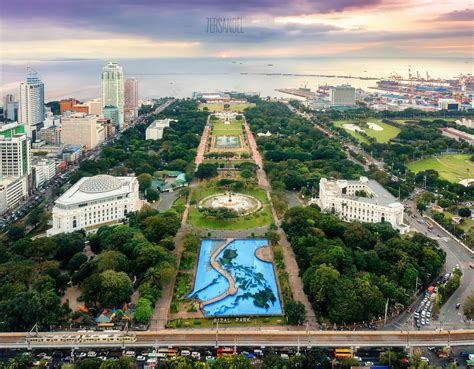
(361, 200)
(94, 201)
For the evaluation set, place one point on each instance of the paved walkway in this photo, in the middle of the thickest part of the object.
(202, 145)
(232, 290)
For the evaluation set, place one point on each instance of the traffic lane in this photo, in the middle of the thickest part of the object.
(456, 254)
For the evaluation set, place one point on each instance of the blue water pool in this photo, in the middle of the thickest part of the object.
(254, 279)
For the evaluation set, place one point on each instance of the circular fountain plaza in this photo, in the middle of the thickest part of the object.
(240, 203)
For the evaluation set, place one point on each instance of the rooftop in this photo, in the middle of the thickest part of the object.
(378, 196)
(95, 188)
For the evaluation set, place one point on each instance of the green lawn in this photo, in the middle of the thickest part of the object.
(226, 322)
(258, 219)
(226, 132)
(452, 168)
(383, 136)
(233, 125)
(220, 107)
(354, 134)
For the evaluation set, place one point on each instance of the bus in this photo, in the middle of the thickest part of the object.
(343, 353)
(171, 353)
(224, 351)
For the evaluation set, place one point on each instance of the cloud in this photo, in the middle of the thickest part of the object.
(458, 16)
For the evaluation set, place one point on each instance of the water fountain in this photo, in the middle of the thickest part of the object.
(241, 203)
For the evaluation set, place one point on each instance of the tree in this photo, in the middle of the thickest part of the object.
(108, 289)
(76, 261)
(295, 312)
(464, 212)
(160, 226)
(245, 173)
(206, 170)
(35, 216)
(232, 362)
(143, 310)
(421, 206)
(16, 231)
(468, 307)
(152, 194)
(388, 357)
(144, 181)
(88, 364)
(111, 260)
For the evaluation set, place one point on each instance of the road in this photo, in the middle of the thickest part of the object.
(456, 254)
(251, 338)
(347, 146)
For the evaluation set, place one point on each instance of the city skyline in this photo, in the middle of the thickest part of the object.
(145, 29)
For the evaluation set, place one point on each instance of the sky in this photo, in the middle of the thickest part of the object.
(74, 29)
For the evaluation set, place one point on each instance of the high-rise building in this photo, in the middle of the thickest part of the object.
(12, 191)
(112, 113)
(113, 89)
(50, 135)
(72, 105)
(14, 151)
(8, 99)
(131, 93)
(343, 95)
(12, 111)
(82, 129)
(31, 107)
(95, 106)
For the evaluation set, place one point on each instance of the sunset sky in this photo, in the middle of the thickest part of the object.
(61, 29)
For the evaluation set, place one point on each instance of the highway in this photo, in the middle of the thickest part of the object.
(456, 254)
(269, 338)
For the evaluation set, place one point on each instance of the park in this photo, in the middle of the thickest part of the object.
(374, 128)
(453, 167)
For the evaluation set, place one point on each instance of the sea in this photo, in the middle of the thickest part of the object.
(81, 78)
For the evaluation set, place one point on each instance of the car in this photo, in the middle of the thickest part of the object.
(368, 363)
(358, 358)
(129, 353)
(428, 315)
(284, 356)
(185, 353)
(425, 359)
(82, 355)
(141, 358)
(423, 321)
(431, 348)
(258, 353)
(102, 358)
(196, 355)
(92, 354)
(210, 358)
(458, 305)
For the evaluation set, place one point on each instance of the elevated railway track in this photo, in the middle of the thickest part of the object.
(239, 338)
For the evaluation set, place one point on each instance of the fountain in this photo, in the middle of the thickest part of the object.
(241, 203)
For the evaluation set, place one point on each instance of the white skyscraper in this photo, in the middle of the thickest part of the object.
(31, 106)
(113, 90)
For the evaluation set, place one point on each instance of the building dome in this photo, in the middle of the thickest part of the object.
(100, 183)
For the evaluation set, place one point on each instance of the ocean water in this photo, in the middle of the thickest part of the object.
(250, 274)
(180, 77)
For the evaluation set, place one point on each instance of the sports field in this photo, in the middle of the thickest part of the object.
(220, 107)
(452, 168)
(382, 136)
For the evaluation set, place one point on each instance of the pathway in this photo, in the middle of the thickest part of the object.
(232, 290)
(202, 145)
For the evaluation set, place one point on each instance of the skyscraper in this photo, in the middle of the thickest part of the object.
(31, 107)
(112, 90)
(7, 100)
(14, 151)
(131, 93)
